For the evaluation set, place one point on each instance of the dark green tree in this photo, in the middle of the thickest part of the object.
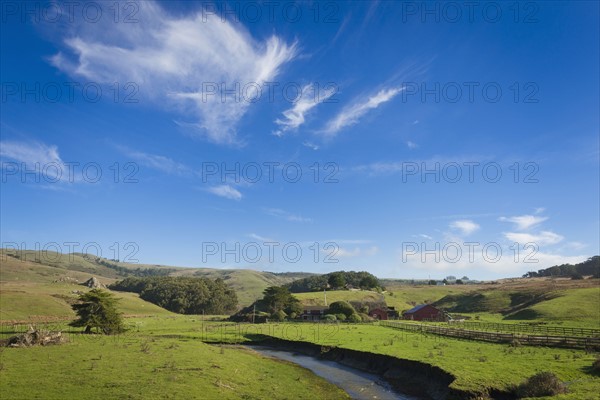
(279, 298)
(97, 309)
(369, 282)
(337, 280)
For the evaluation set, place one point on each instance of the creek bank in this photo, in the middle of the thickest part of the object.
(358, 384)
(409, 377)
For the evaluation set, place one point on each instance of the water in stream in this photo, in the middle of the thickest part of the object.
(360, 385)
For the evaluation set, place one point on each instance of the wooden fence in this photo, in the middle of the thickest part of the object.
(577, 342)
(528, 328)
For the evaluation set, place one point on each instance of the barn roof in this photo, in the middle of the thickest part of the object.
(416, 308)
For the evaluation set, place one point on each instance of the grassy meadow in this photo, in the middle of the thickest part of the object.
(145, 366)
(165, 355)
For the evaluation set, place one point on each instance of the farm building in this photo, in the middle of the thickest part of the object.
(425, 312)
(383, 313)
(313, 313)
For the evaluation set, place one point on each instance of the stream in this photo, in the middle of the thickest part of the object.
(358, 384)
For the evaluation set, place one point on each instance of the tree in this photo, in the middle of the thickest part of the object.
(432, 282)
(279, 298)
(97, 309)
(337, 280)
(369, 282)
(459, 282)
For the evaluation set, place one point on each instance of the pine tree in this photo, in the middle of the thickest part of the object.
(97, 309)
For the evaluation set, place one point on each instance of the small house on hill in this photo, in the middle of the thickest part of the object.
(425, 312)
(313, 313)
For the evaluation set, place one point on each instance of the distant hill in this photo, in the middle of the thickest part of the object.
(40, 284)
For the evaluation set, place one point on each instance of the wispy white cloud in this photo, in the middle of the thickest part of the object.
(179, 61)
(311, 145)
(351, 114)
(542, 238)
(30, 152)
(225, 191)
(411, 145)
(465, 226)
(524, 222)
(276, 212)
(504, 265)
(414, 168)
(576, 245)
(260, 238)
(158, 162)
(309, 98)
(351, 253)
(42, 158)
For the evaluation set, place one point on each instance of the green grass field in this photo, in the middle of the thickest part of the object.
(152, 367)
(475, 365)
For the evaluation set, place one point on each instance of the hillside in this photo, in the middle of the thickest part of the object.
(32, 286)
(318, 298)
(36, 285)
(34, 291)
(549, 300)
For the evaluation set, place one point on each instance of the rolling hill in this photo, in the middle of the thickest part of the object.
(39, 285)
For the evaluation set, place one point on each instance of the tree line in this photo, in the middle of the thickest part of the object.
(336, 280)
(589, 267)
(183, 295)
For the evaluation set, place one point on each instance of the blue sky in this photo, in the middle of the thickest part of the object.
(407, 139)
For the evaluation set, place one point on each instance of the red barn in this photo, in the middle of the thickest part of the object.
(379, 314)
(425, 312)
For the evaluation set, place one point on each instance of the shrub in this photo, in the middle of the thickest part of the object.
(278, 316)
(541, 384)
(329, 318)
(341, 317)
(354, 318)
(341, 307)
(365, 317)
